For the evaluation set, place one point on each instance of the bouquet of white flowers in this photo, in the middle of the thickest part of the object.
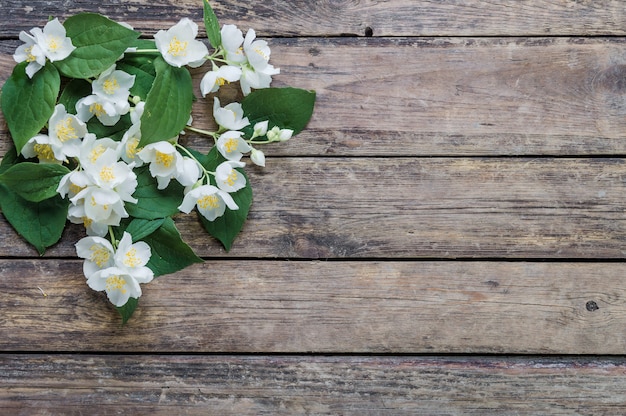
(95, 113)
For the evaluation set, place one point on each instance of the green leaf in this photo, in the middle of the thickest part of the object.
(287, 108)
(212, 26)
(169, 252)
(115, 132)
(99, 43)
(9, 159)
(34, 181)
(40, 223)
(73, 92)
(128, 309)
(153, 202)
(142, 67)
(168, 105)
(27, 103)
(228, 226)
(140, 228)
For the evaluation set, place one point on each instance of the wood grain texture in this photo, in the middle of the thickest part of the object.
(324, 307)
(347, 17)
(416, 208)
(444, 96)
(235, 385)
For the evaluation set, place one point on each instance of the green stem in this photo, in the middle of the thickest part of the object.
(200, 131)
(112, 236)
(144, 51)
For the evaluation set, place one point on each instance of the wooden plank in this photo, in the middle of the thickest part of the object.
(445, 96)
(329, 307)
(416, 208)
(344, 17)
(266, 385)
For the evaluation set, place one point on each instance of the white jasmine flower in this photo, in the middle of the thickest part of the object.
(164, 161)
(76, 215)
(189, 172)
(258, 73)
(120, 280)
(229, 117)
(97, 252)
(257, 157)
(110, 174)
(104, 110)
(232, 39)
(110, 96)
(93, 148)
(213, 80)
(39, 147)
(179, 46)
(210, 200)
(102, 206)
(65, 132)
(232, 146)
(51, 43)
(128, 145)
(136, 112)
(260, 129)
(72, 183)
(228, 178)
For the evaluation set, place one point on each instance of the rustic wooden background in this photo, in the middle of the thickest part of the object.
(447, 236)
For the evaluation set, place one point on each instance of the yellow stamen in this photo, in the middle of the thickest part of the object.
(164, 159)
(230, 180)
(29, 54)
(115, 283)
(53, 44)
(65, 130)
(106, 174)
(99, 254)
(131, 259)
(97, 109)
(110, 85)
(131, 148)
(96, 152)
(74, 189)
(231, 145)
(177, 48)
(209, 201)
(44, 152)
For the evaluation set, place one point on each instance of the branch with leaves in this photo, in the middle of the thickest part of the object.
(95, 113)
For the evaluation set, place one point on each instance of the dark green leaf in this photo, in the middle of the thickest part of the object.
(168, 105)
(142, 67)
(212, 26)
(99, 42)
(128, 309)
(169, 252)
(115, 132)
(140, 228)
(34, 181)
(40, 223)
(287, 108)
(154, 203)
(73, 92)
(27, 103)
(9, 159)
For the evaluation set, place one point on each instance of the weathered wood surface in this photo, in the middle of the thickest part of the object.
(327, 307)
(416, 208)
(405, 167)
(446, 96)
(288, 385)
(349, 17)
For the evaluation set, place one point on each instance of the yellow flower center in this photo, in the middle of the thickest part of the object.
(65, 130)
(74, 189)
(220, 81)
(131, 259)
(106, 174)
(231, 145)
(53, 44)
(97, 109)
(110, 85)
(230, 180)
(209, 201)
(131, 147)
(177, 48)
(260, 52)
(96, 152)
(115, 283)
(29, 54)
(99, 254)
(87, 222)
(44, 152)
(164, 159)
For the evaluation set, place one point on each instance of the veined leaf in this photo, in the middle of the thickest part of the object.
(152, 202)
(212, 26)
(168, 105)
(128, 309)
(28, 103)
(34, 181)
(99, 42)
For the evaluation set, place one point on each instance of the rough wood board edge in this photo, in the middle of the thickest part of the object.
(287, 385)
